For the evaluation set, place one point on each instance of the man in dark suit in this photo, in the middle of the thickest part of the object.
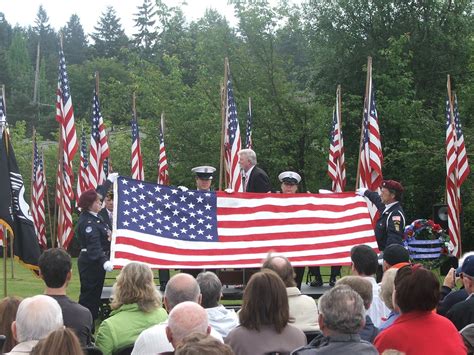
(254, 178)
(107, 212)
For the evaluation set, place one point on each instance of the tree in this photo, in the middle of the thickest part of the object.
(109, 37)
(43, 34)
(146, 36)
(74, 41)
(20, 73)
(5, 40)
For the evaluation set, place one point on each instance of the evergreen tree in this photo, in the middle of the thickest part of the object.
(20, 73)
(74, 41)
(109, 37)
(43, 34)
(145, 21)
(5, 40)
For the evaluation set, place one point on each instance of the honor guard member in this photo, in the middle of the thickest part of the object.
(94, 237)
(391, 223)
(289, 185)
(204, 175)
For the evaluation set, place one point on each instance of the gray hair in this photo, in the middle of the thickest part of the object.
(250, 154)
(342, 310)
(180, 288)
(37, 316)
(187, 318)
(211, 289)
(387, 286)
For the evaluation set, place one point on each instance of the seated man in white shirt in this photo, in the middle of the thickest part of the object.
(364, 263)
(180, 288)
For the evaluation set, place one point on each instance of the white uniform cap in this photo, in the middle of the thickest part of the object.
(204, 172)
(290, 177)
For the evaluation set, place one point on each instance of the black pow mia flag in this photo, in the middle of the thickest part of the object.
(14, 210)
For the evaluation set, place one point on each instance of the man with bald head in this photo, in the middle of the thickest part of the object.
(303, 309)
(180, 288)
(186, 318)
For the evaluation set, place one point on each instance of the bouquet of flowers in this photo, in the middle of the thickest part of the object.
(427, 243)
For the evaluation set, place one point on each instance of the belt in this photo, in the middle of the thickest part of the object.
(84, 249)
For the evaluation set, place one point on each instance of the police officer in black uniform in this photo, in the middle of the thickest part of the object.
(391, 223)
(94, 237)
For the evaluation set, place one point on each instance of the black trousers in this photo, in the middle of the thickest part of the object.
(91, 275)
(335, 271)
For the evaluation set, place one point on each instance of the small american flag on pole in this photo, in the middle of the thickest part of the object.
(68, 148)
(169, 228)
(83, 175)
(232, 141)
(336, 164)
(65, 117)
(457, 169)
(99, 148)
(163, 174)
(137, 159)
(38, 196)
(370, 158)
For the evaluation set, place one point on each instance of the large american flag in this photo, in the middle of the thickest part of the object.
(370, 158)
(68, 148)
(83, 174)
(163, 173)
(169, 228)
(457, 169)
(99, 148)
(336, 164)
(137, 159)
(232, 141)
(248, 131)
(38, 190)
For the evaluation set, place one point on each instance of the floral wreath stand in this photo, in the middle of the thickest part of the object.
(427, 243)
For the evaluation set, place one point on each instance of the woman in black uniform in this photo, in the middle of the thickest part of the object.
(94, 237)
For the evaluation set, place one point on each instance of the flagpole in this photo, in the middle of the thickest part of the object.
(11, 238)
(223, 119)
(366, 101)
(56, 207)
(47, 199)
(12, 257)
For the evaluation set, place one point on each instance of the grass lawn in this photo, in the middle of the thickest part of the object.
(25, 283)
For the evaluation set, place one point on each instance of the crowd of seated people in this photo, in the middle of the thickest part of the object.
(415, 314)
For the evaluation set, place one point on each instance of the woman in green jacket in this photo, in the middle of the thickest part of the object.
(136, 306)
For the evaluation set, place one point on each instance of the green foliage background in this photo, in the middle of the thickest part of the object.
(288, 59)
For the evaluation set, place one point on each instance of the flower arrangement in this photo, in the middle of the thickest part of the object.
(427, 243)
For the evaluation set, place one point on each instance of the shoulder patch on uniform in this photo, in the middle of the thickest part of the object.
(88, 229)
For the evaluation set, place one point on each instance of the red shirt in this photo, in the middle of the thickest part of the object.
(421, 333)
